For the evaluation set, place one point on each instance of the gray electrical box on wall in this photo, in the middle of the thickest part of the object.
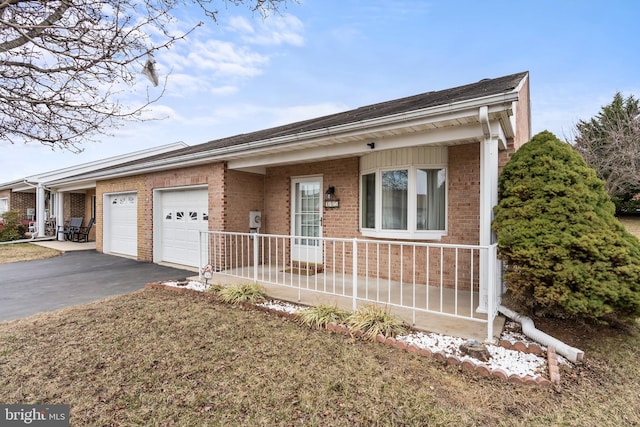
(255, 219)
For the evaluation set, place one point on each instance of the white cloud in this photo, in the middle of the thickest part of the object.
(226, 58)
(240, 24)
(278, 30)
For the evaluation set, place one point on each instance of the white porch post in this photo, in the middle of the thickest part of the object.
(59, 214)
(39, 210)
(488, 199)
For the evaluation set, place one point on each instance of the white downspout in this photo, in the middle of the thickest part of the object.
(529, 329)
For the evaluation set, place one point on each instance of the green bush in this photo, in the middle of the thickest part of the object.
(566, 253)
(12, 228)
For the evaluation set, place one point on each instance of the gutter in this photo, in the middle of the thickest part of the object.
(222, 153)
(529, 329)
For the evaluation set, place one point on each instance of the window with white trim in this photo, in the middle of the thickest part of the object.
(4, 206)
(406, 202)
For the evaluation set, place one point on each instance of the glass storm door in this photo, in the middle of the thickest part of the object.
(306, 221)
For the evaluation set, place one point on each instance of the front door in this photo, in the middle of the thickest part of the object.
(306, 220)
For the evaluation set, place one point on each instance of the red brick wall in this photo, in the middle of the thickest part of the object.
(464, 195)
(522, 128)
(245, 193)
(19, 201)
(74, 206)
(342, 174)
(523, 116)
(77, 208)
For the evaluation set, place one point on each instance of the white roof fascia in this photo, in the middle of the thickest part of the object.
(522, 82)
(11, 184)
(86, 167)
(84, 185)
(115, 160)
(441, 112)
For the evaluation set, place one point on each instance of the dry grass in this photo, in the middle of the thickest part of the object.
(164, 358)
(632, 224)
(158, 357)
(24, 252)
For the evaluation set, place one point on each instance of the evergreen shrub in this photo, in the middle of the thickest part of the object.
(566, 254)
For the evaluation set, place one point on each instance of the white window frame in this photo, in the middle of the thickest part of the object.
(411, 232)
(4, 206)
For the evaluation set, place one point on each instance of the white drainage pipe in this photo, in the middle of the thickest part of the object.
(529, 329)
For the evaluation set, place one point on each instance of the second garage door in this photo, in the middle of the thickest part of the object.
(184, 215)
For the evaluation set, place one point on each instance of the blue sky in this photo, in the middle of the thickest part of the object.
(323, 56)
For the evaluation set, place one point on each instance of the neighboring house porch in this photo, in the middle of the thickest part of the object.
(44, 205)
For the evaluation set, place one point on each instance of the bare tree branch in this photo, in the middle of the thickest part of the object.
(64, 63)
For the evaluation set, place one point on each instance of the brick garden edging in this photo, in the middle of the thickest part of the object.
(464, 365)
(469, 365)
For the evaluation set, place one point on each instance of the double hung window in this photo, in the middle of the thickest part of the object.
(407, 202)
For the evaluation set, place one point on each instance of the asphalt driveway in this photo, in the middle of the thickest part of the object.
(32, 287)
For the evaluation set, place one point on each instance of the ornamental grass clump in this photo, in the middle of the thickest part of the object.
(372, 320)
(251, 293)
(321, 315)
(215, 288)
(566, 254)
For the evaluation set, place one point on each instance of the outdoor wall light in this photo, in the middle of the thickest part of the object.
(371, 145)
(330, 198)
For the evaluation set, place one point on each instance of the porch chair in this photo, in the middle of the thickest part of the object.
(82, 234)
(32, 229)
(73, 226)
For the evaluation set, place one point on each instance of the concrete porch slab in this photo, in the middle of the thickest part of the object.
(66, 246)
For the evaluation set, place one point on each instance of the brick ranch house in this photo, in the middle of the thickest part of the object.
(421, 170)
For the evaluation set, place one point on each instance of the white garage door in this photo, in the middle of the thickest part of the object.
(184, 214)
(123, 224)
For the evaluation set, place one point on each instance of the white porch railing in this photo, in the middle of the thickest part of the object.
(457, 281)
